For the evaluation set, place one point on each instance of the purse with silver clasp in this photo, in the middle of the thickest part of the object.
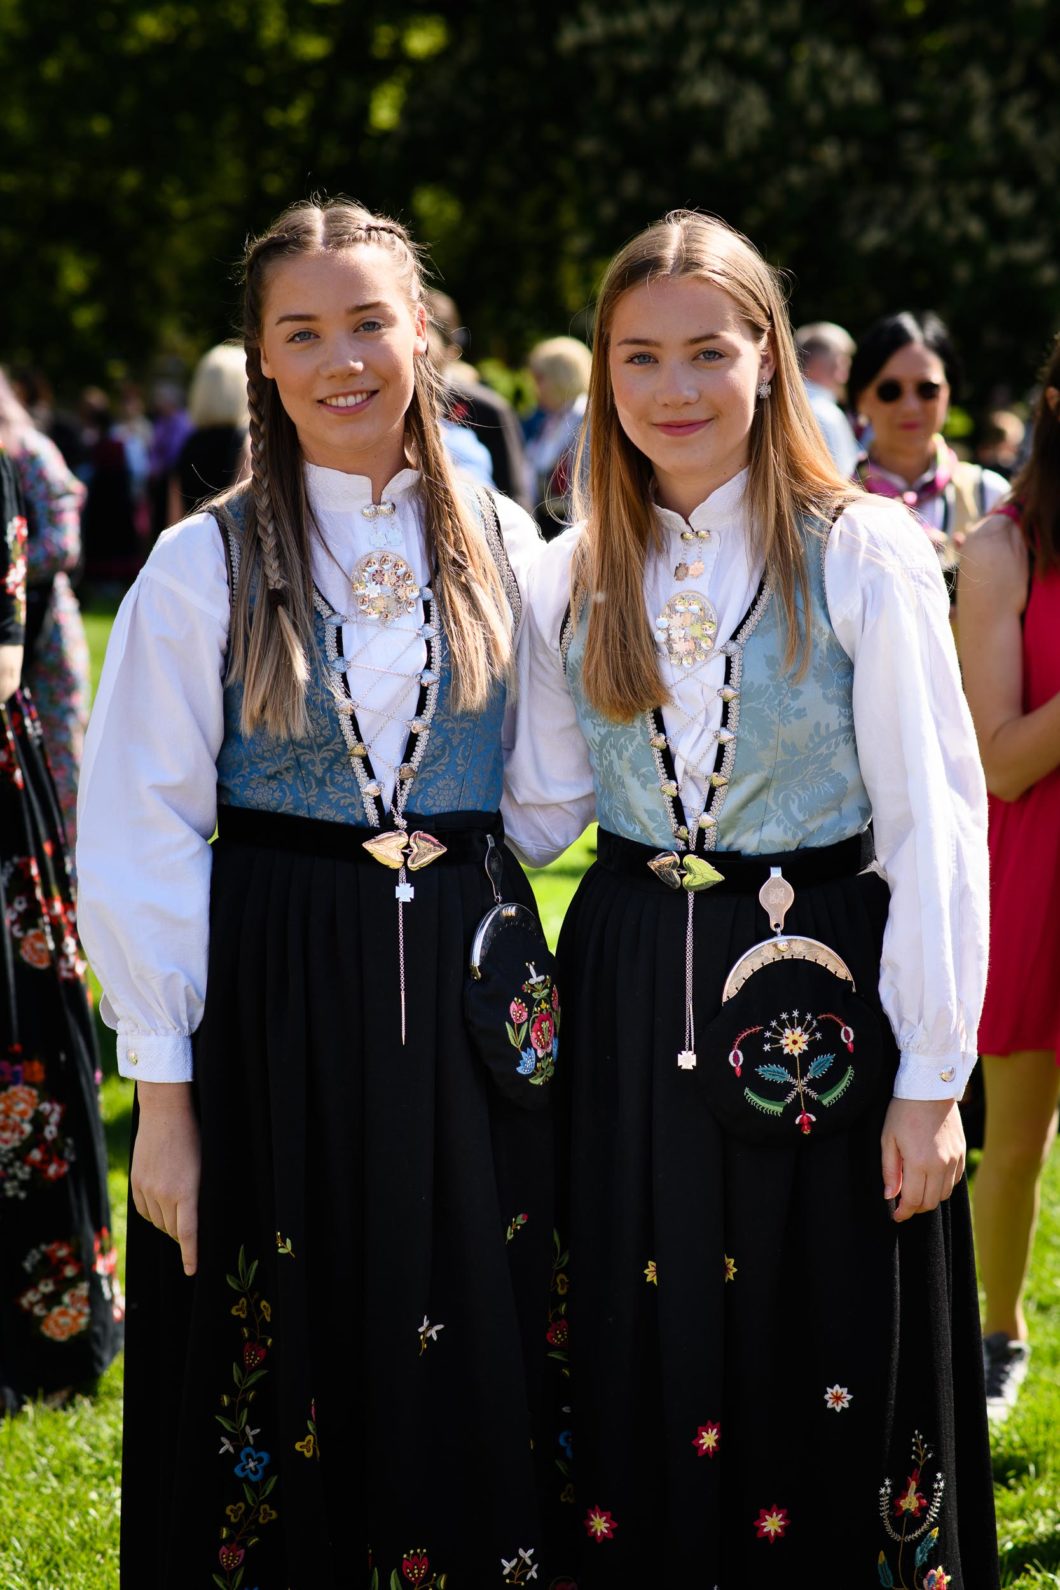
(511, 1002)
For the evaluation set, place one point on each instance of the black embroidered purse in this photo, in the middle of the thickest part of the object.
(794, 1051)
(511, 1002)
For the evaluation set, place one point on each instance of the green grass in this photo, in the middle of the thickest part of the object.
(59, 1471)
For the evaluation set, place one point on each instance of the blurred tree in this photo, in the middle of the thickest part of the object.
(898, 152)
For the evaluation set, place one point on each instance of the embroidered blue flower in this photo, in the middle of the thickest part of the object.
(251, 1465)
(528, 1064)
(566, 1441)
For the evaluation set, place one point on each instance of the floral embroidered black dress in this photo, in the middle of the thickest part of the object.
(348, 1392)
(59, 1313)
(772, 1383)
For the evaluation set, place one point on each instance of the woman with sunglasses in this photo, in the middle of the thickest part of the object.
(901, 377)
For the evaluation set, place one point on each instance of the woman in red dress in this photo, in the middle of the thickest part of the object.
(1009, 627)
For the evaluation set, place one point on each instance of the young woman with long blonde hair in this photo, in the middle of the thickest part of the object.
(340, 1250)
(742, 666)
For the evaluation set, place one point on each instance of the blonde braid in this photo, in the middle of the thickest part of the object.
(267, 651)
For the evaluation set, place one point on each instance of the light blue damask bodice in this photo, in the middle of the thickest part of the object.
(461, 766)
(790, 775)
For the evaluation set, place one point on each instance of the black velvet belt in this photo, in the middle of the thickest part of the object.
(462, 833)
(745, 874)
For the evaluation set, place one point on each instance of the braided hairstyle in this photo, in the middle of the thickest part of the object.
(273, 638)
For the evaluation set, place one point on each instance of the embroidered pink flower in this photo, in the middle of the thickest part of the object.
(558, 1333)
(771, 1523)
(804, 1121)
(541, 1030)
(230, 1557)
(937, 1578)
(911, 1501)
(599, 1525)
(415, 1566)
(837, 1398)
(253, 1354)
(707, 1439)
(517, 1011)
(555, 997)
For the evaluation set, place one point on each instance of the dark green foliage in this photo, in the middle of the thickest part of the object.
(900, 152)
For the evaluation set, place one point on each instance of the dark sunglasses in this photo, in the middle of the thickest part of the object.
(891, 391)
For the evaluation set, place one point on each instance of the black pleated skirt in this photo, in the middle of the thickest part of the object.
(772, 1383)
(60, 1312)
(349, 1391)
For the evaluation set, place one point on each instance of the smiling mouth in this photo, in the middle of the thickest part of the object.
(680, 427)
(343, 402)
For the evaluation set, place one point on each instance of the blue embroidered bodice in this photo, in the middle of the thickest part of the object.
(791, 772)
(461, 769)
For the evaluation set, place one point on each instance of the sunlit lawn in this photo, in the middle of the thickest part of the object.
(59, 1470)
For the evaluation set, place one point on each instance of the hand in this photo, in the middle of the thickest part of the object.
(923, 1153)
(165, 1166)
(10, 671)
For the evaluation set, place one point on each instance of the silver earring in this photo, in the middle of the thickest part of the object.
(764, 390)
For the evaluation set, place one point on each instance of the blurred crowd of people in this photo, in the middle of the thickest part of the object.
(100, 484)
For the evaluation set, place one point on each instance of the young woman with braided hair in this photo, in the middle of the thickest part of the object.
(333, 1370)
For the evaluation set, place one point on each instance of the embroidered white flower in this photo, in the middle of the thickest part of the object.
(837, 1398)
(428, 1333)
(521, 1568)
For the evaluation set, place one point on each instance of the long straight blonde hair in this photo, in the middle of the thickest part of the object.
(790, 473)
(272, 627)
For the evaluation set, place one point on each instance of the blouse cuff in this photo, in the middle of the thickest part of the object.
(155, 1057)
(932, 1076)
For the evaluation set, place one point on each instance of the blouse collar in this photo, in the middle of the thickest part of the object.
(331, 490)
(723, 509)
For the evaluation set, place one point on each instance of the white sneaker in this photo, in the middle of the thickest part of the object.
(1005, 1366)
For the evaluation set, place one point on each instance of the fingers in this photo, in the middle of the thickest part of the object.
(187, 1233)
(892, 1167)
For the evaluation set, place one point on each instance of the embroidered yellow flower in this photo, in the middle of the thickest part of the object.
(235, 1511)
(730, 1268)
(266, 1514)
(793, 1040)
(306, 1447)
(651, 1274)
(240, 1308)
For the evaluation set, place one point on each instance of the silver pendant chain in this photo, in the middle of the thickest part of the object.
(702, 832)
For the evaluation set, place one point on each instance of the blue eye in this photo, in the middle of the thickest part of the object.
(640, 358)
(371, 325)
(710, 354)
(301, 334)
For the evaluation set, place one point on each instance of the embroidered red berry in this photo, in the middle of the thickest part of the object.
(558, 1333)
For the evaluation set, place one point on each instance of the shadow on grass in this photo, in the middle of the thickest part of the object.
(1041, 1556)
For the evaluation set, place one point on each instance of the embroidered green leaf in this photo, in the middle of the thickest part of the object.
(830, 1096)
(773, 1073)
(219, 1581)
(226, 1424)
(237, 1374)
(819, 1066)
(771, 1106)
(269, 1486)
(239, 1576)
(252, 1500)
(925, 1548)
(251, 1273)
(512, 1039)
(242, 1265)
(395, 1582)
(253, 1377)
(234, 1283)
(374, 1582)
(886, 1576)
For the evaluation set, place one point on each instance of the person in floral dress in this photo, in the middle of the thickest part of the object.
(60, 1311)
